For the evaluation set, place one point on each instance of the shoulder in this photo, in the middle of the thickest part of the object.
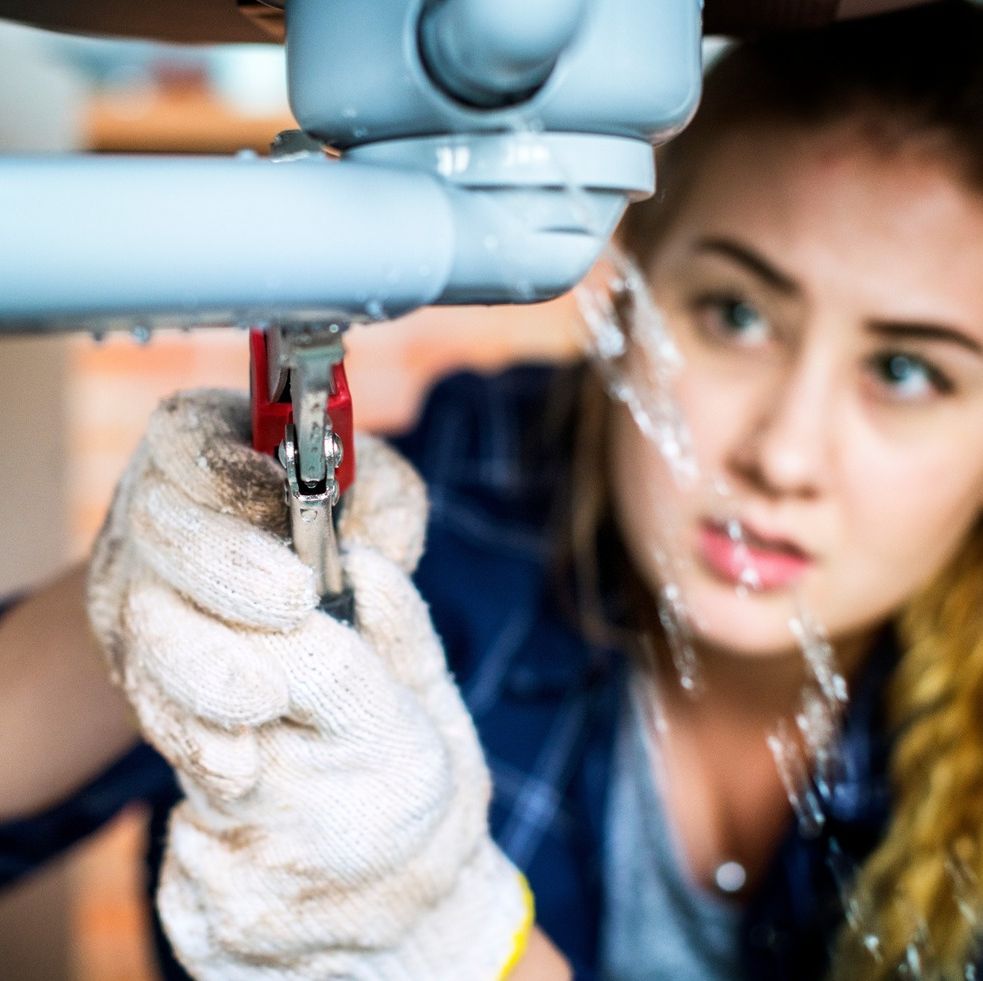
(492, 449)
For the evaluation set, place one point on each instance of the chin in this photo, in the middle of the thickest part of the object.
(751, 625)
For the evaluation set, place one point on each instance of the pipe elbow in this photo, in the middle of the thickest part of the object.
(492, 53)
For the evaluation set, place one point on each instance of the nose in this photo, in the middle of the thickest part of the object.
(785, 450)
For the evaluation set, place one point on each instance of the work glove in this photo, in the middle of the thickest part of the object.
(335, 820)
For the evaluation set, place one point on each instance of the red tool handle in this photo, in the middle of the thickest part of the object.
(270, 418)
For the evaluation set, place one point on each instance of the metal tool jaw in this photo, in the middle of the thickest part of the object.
(301, 409)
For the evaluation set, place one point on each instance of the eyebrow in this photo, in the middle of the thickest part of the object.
(784, 283)
(925, 332)
(752, 261)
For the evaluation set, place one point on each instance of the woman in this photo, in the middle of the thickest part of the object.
(838, 397)
(815, 252)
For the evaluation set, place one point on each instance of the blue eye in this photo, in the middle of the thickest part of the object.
(907, 377)
(732, 319)
(739, 316)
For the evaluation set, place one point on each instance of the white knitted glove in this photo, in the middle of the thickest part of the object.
(335, 824)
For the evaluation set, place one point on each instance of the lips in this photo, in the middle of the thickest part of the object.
(752, 558)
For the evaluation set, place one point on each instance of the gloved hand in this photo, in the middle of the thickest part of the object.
(335, 823)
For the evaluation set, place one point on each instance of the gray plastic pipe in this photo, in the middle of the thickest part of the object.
(491, 53)
(216, 239)
(112, 242)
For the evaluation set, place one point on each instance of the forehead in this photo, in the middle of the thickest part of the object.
(896, 226)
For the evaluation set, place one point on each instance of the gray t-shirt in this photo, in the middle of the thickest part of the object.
(658, 922)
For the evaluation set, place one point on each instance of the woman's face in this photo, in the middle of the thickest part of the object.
(828, 304)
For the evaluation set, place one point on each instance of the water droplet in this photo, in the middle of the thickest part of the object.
(246, 154)
(965, 885)
(141, 333)
(630, 345)
(795, 779)
(375, 310)
(674, 618)
(913, 960)
(99, 335)
(623, 310)
(818, 653)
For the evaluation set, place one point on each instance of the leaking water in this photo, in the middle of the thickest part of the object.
(375, 309)
(919, 956)
(622, 316)
(630, 344)
(965, 889)
(675, 620)
(622, 319)
(792, 769)
(856, 904)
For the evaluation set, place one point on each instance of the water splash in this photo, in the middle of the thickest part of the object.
(376, 310)
(621, 318)
(648, 692)
(824, 698)
(724, 508)
(675, 620)
(795, 778)
(857, 905)
(818, 652)
(965, 888)
(920, 958)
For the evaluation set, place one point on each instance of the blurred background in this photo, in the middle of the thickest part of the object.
(73, 408)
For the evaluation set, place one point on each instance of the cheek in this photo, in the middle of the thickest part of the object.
(907, 513)
(716, 409)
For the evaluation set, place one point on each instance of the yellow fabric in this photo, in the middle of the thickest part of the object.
(521, 940)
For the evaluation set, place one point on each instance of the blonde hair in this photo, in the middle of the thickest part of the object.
(921, 885)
